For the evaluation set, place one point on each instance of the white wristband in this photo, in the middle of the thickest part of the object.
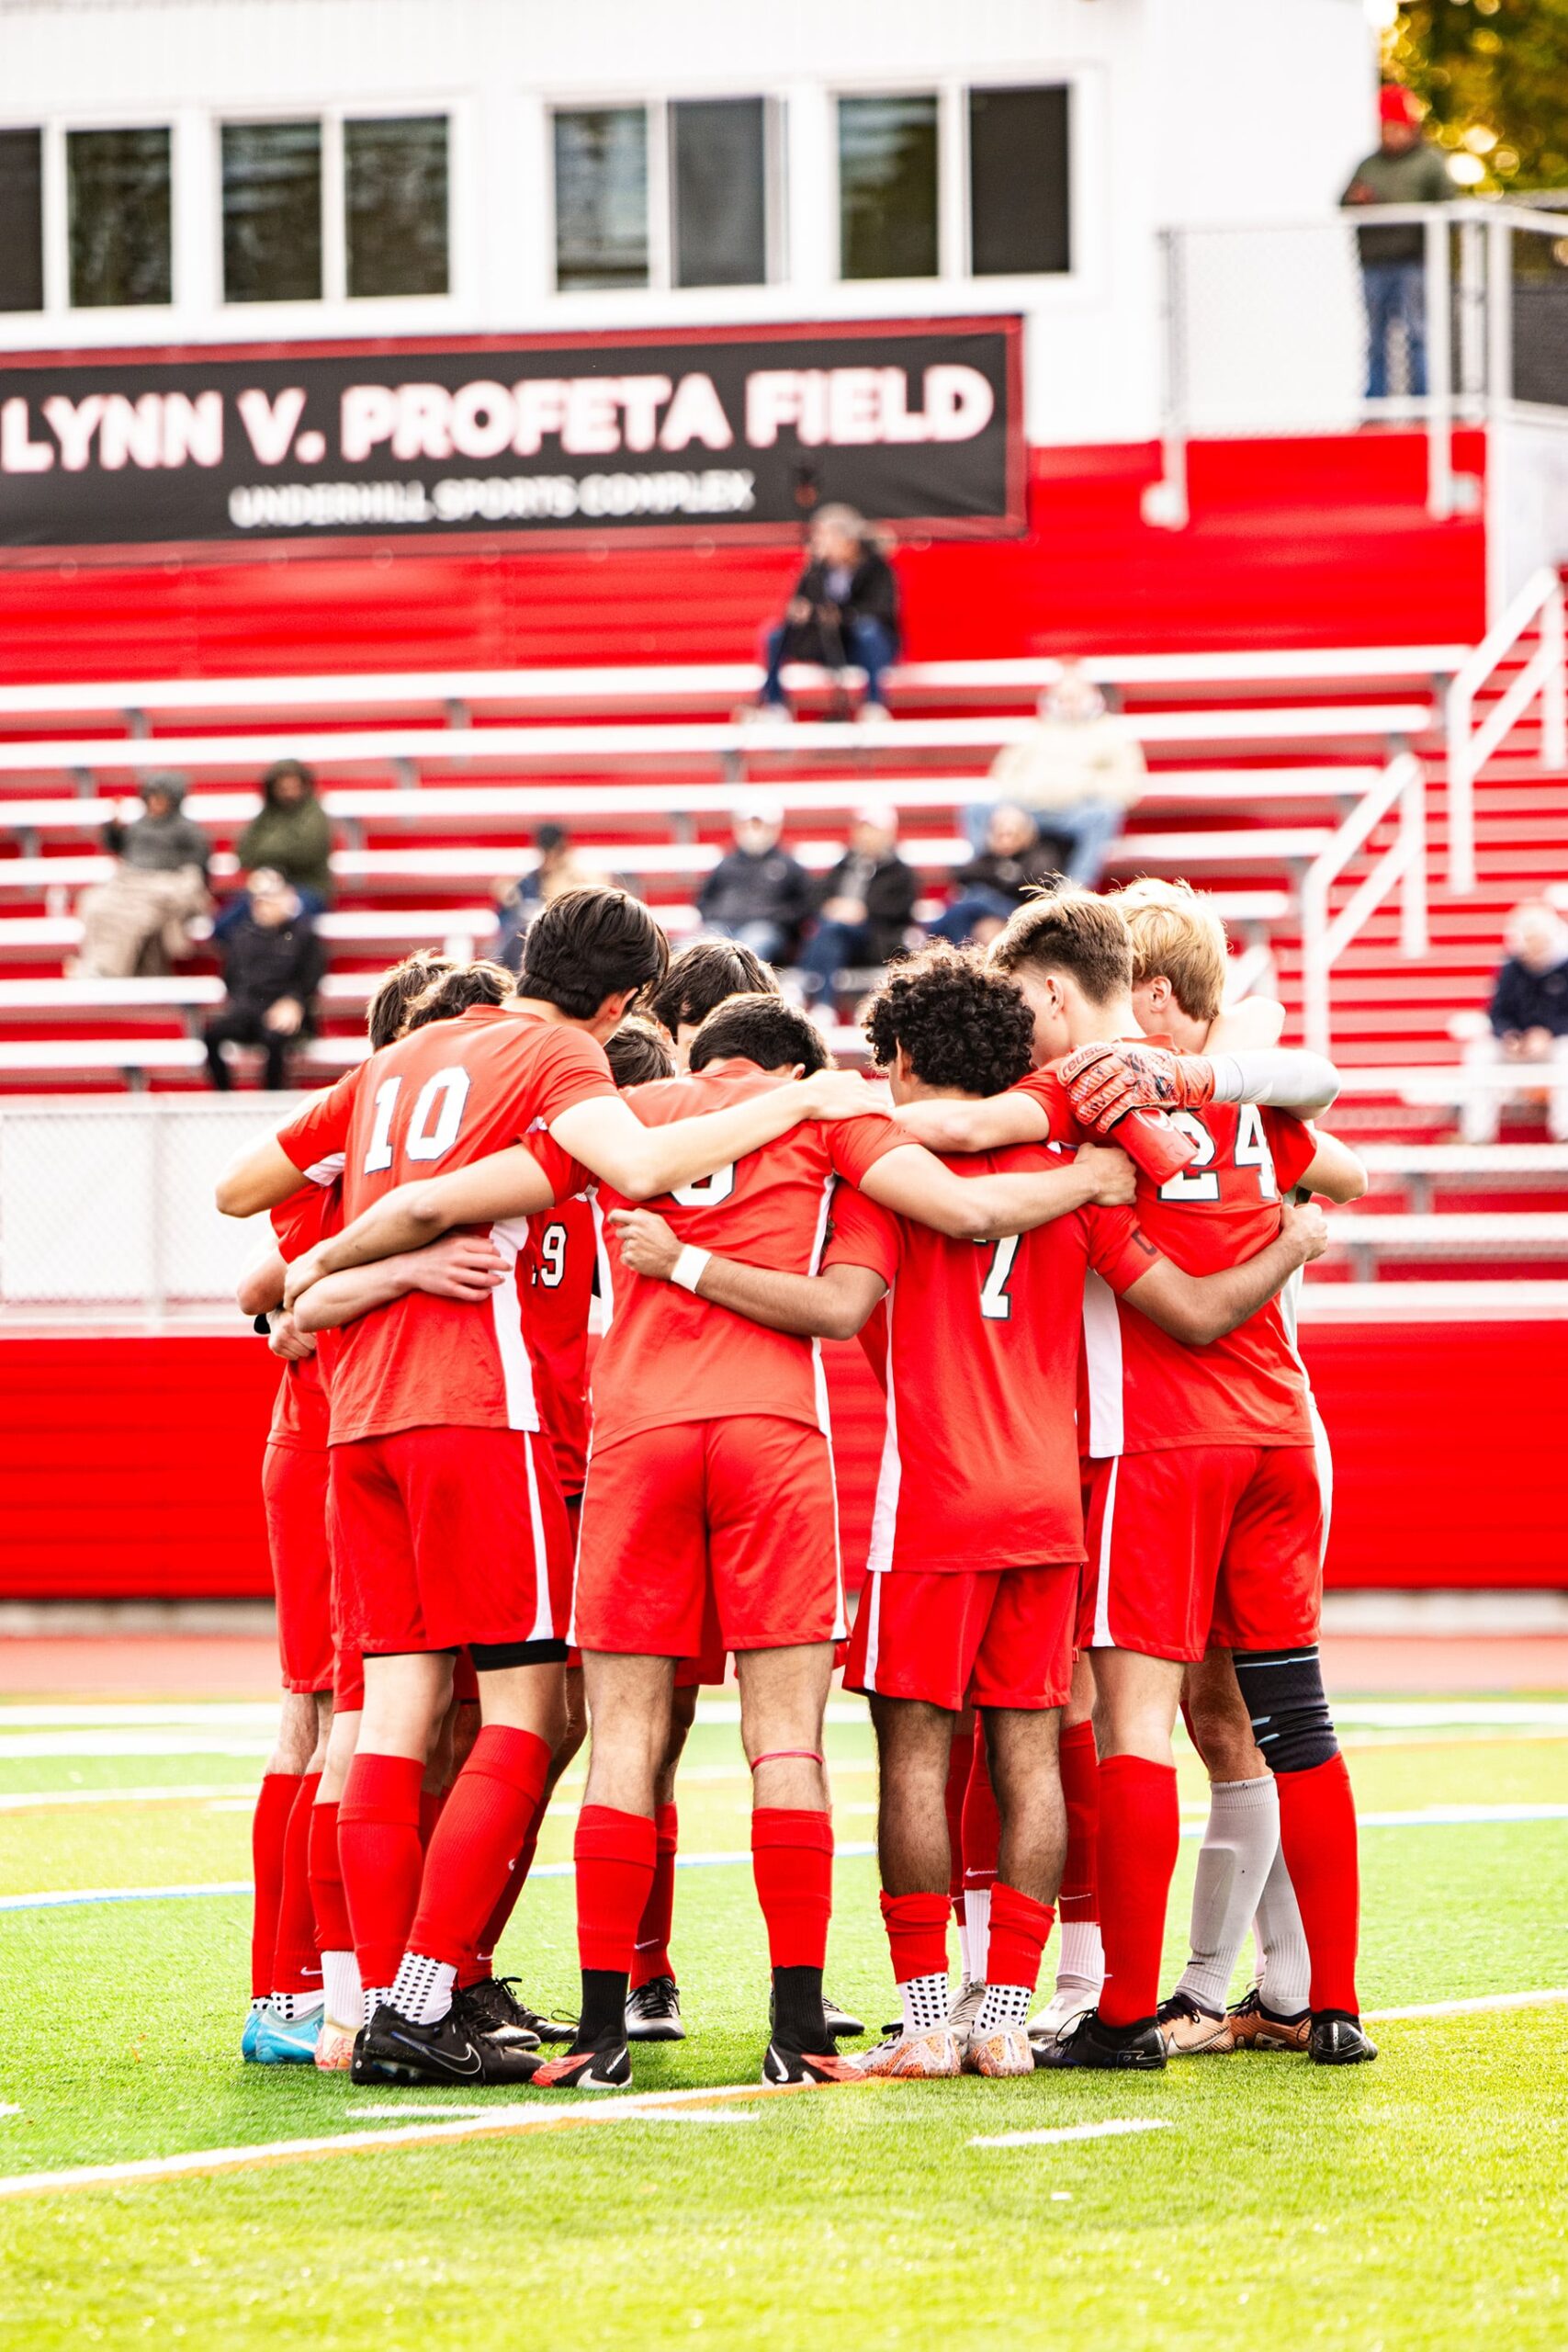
(688, 1268)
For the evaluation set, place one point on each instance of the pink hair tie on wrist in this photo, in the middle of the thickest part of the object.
(779, 1755)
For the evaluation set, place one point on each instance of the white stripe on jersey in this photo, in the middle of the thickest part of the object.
(327, 1171)
(1101, 1639)
(509, 1236)
(1103, 1360)
(544, 1626)
(871, 1598)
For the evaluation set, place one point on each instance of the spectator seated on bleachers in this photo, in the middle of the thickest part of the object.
(138, 921)
(864, 905)
(1527, 1022)
(289, 836)
(1014, 862)
(757, 893)
(273, 966)
(1077, 774)
(844, 611)
(518, 902)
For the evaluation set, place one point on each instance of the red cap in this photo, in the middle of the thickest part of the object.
(1396, 104)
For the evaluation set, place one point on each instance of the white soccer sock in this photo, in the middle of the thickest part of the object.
(977, 1919)
(290, 2007)
(1234, 1862)
(924, 2000)
(1004, 2005)
(422, 1991)
(1080, 1958)
(340, 1978)
(1284, 1964)
(376, 1998)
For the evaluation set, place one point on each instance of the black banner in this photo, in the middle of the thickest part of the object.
(684, 433)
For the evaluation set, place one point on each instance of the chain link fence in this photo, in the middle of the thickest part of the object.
(106, 1213)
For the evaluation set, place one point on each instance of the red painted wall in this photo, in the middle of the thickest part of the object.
(130, 1466)
(1301, 542)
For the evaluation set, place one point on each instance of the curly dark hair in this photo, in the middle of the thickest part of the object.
(638, 1052)
(761, 1029)
(962, 1023)
(397, 990)
(703, 975)
(457, 992)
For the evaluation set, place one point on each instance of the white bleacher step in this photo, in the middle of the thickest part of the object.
(685, 740)
(1458, 1233)
(1505, 1162)
(640, 683)
(1463, 1302)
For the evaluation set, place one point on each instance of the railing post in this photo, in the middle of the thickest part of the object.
(1314, 961)
(1440, 369)
(1499, 399)
(1412, 927)
(1554, 687)
(1165, 502)
(1460, 792)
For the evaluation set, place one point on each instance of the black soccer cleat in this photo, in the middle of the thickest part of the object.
(653, 2011)
(783, 2064)
(392, 2049)
(842, 2023)
(606, 2067)
(1338, 2038)
(1085, 2042)
(493, 2009)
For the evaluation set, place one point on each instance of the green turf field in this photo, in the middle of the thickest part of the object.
(1418, 2202)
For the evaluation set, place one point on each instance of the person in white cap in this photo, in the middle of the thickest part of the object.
(757, 893)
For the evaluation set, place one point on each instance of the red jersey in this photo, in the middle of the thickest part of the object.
(670, 1356)
(300, 1410)
(980, 1457)
(453, 1092)
(1145, 1391)
(555, 1283)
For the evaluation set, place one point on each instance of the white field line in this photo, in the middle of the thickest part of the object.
(643, 2115)
(30, 1800)
(1476, 2007)
(498, 2122)
(1054, 2139)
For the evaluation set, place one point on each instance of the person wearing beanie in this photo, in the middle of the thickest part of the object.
(1402, 169)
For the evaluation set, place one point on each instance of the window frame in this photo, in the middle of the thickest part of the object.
(655, 106)
(227, 117)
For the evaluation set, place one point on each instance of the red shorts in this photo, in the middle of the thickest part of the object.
(1201, 1543)
(294, 1497)
(445, 1536)
(727, 1525)
(986, 1637)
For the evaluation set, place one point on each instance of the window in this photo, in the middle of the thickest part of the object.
(117, 201)
(887, 187)
(718, 183)
(21, 212)
(272, 211)
(601, 196)
(1018, 181)
(395, 204)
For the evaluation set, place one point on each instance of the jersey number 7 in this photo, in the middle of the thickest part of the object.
(996, 1303)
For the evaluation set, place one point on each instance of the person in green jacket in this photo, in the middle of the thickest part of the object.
(290, 834)
(1402, 170)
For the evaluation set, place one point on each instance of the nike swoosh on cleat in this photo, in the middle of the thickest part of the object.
(426, 2053)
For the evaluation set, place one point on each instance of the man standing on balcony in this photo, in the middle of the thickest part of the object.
(1402, 169)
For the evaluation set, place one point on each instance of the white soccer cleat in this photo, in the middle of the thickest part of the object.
(915, 2057)
(1006, 2050)
(1058, 2014)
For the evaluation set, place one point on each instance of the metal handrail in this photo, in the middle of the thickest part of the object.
(1402, 863)
(1540, 601)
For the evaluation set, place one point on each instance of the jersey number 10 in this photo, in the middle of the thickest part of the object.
(433, 1128)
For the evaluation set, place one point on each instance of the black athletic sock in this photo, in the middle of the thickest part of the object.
(603, 2017)
(798, 2021)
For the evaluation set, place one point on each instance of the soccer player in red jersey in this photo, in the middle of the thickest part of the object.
(1284, 1793)
(1154, 1581)
(450, 1523)
(977, 1534)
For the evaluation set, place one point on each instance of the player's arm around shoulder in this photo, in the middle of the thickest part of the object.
(1335, 1171)
(461, 1266)
(915, 1184)
(829, 1305)
(642, 1162)
(506, 1184)
(986, 1124)
(1200, 1309)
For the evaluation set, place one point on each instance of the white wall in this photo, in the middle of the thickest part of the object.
(1184, 109)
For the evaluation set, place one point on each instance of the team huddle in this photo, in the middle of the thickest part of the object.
(1066, 1227)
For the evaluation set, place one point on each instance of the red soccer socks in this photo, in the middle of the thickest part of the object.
(269, 1828)
(615, 1853)
(296, 1964)
(1140, 1830)
(489, 1810)
(1317, 1836)
(792, 1861)
(382, 1859)
(650, 1957)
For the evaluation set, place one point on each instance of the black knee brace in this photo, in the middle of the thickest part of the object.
(1284, 1696)
(489, 1657)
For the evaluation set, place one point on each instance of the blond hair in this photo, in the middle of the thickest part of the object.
(1177, 934)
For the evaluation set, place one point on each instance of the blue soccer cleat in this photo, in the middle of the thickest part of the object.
(279, 2044)
(251, 2033)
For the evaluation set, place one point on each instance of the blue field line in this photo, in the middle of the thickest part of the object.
(1434, 1816)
